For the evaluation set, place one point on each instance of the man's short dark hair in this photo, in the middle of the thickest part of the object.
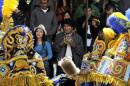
(85, 6)
(109, 6)
(69, 22)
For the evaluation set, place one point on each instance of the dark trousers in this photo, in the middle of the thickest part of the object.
(68, 82)
(48, 68)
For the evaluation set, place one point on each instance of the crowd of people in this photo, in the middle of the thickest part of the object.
(57, 33)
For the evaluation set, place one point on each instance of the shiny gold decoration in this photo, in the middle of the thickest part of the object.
(13, 59)
(26, 79)
(14, 36)
(33, 70)
(111, 44)
(21, 64)
(98, 49)
(100, 78)
(19, 54)
(40, 64)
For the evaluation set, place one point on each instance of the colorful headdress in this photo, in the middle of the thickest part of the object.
(117, 21)
(21, 37)
(109, 33)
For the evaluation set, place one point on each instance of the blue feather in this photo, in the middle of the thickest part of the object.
(118, 25)
(127, 14)
(1, 4)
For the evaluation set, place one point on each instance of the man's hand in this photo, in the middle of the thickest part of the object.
(72, 44)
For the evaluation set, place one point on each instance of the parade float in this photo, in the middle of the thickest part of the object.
(109, 62)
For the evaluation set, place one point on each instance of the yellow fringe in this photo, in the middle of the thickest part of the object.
(101, 78)
(25, 80)
(45, 81)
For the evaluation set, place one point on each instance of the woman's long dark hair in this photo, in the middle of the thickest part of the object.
(68, 13)
(35, 37)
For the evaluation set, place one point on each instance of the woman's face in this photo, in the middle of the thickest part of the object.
(39, 33)
(67, 16)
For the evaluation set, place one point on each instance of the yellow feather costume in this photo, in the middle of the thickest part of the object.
(9, 6)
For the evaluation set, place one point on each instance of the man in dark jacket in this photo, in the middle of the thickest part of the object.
(69, 43)
(71, 38)
(90, 32)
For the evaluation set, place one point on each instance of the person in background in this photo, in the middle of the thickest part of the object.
(59, 14)
(90, 32)
(69, 40)
(92, 28)
(21, 14)
(69, 43)
(43, 47)
(65, 15)
(109, 9)
(44, 15)
(95, 6)
(36, 3)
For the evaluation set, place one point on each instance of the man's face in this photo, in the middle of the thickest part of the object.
(44, 4)
(88, 12)
(68, 28)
